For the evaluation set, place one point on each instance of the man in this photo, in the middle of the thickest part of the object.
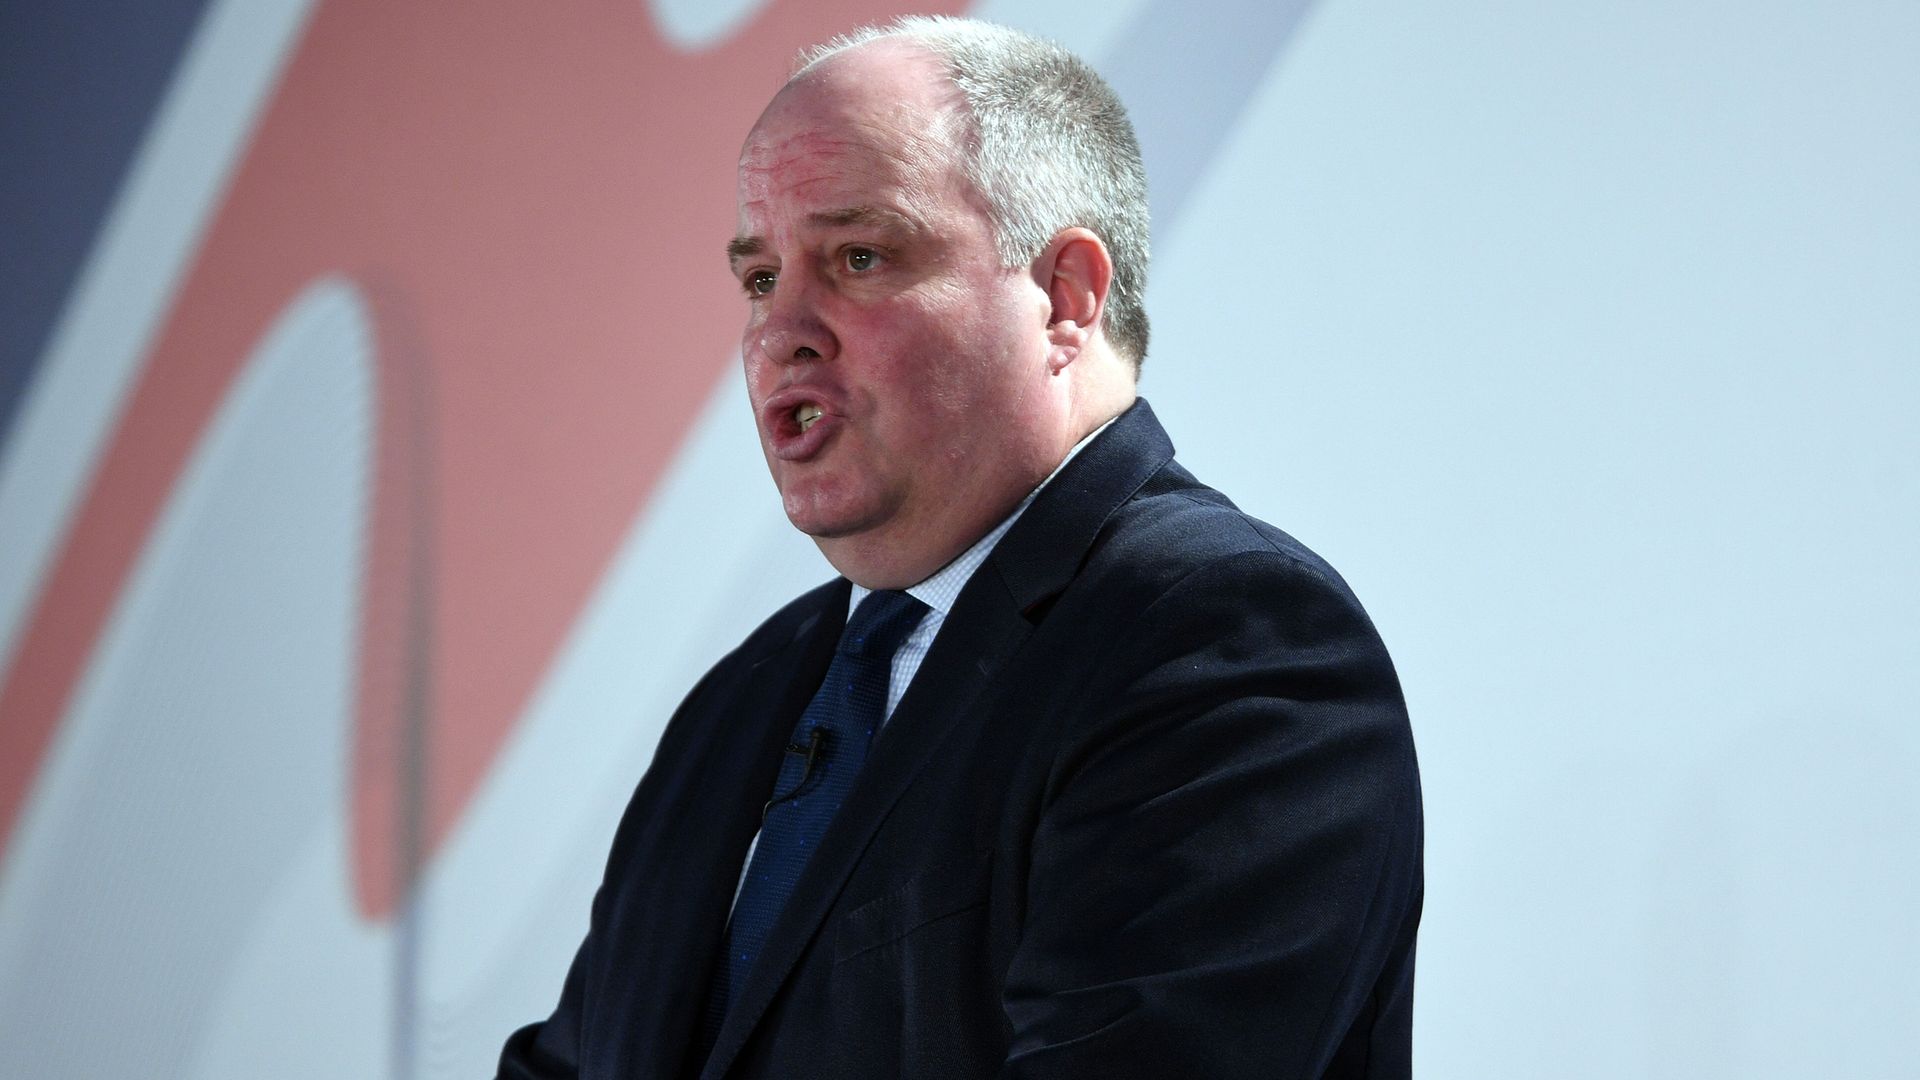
(1100, 777)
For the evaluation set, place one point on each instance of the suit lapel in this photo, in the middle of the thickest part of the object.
(964, 657)
(706, 828)
(994, 614)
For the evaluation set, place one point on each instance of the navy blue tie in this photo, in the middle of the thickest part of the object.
(822, 760)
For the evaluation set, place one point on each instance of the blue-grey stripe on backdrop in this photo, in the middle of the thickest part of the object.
(79, 83)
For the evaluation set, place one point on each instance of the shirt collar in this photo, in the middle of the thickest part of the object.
(942, 588)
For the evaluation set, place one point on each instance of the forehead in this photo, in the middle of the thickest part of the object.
(876, 121)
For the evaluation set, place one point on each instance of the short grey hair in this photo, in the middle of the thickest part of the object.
(1049, 147)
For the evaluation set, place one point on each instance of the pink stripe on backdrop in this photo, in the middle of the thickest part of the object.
(535, 199)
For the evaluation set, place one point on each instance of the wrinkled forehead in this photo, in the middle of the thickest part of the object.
(886, 98)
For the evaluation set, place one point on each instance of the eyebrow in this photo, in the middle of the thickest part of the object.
(863, 215)
(743, 247)
(746, 247)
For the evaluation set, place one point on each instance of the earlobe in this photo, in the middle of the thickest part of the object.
(1065, 338)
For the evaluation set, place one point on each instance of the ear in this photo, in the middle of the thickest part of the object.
(1076, 272)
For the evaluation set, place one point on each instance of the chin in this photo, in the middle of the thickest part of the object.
(824, 520)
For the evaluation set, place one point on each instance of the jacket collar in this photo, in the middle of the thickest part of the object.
(1044, 549)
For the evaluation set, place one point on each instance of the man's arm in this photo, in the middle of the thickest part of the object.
(1226, 877)
(550, 1050)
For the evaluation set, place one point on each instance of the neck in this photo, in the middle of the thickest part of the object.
(1103, 387)
(1094, 389)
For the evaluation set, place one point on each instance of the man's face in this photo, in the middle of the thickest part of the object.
(897, 369)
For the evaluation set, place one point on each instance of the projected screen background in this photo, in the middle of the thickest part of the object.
(375, 475)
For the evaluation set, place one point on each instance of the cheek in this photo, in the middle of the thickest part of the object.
(754, 364)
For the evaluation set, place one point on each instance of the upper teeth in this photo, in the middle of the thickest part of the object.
(806, 414)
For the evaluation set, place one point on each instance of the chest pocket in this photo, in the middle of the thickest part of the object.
(934, 895)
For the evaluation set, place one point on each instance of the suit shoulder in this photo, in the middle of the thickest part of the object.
(779, 631)
(1176, 526)
(795, 619)
(1216, 608)
(776, 632)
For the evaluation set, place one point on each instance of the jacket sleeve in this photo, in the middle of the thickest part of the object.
(550, 1049)
(555, 1048)
(1226, 876)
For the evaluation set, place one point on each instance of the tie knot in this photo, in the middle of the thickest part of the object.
(881, 622)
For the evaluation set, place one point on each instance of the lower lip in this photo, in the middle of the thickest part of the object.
(805, 444)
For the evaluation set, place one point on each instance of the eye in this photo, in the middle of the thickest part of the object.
(757, 283)
(861, 259)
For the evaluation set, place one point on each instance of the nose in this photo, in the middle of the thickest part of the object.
(792, 331)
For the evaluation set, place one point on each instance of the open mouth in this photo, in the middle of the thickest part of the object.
(798, 422)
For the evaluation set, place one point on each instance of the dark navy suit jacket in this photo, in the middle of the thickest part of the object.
(1149, 809)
